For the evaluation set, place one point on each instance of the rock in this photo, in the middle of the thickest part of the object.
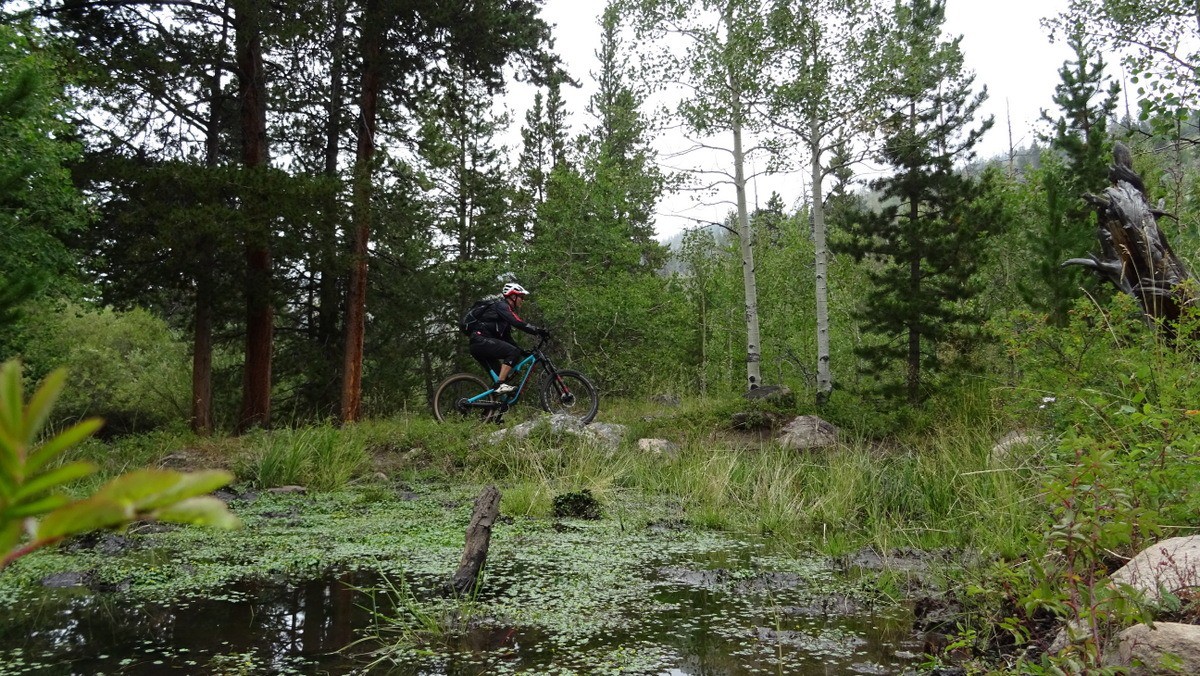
(658, 447)
(808, 431)
(1168, 566)
(606, 435)
(1005, 449)
(1168, 648)
(665, 400)
(288, 490)
(772, 393)
(65, 580)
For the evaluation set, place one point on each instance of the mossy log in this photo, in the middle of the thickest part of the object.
(479, 538)
(1135, 254)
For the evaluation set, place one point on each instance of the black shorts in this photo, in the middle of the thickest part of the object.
(491, 352)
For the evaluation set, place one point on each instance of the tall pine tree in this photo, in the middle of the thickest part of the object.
(593, 261)
(929, 238)
(1081, 147)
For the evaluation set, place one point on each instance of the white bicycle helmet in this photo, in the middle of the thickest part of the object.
(513, 288)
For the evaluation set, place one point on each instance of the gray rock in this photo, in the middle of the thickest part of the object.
(808, 431)
(65, 580)
(1004, 452)
(1167, 566)
(658, 447)
(1168, 648)
(288, 490)
(607, 435)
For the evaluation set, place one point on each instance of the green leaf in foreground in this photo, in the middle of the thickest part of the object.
(35, 513)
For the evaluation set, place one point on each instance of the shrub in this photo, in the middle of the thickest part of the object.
(127, 367)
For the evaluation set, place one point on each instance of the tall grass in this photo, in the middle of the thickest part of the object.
(322, 458)
(548, 464)
(936, 487)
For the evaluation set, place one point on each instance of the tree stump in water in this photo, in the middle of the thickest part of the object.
(479, 537)
(1135, 255)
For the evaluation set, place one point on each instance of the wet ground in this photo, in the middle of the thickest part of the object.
(575, 597)
(694, 622)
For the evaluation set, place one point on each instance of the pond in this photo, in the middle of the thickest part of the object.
(568, 597)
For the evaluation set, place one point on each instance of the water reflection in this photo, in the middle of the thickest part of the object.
(706, 619)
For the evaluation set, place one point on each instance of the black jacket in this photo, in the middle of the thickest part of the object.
(498, 322)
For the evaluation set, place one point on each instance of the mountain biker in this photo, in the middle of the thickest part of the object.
(491, 333)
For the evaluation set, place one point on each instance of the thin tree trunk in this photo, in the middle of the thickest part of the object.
(914, 281)
(745, 235)
(329, 300)
(202, 339)
(914, 331)
(256, 378)
(356, 300)
(821, 252)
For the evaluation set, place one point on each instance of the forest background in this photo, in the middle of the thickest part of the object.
(239, 214)
(201, 188)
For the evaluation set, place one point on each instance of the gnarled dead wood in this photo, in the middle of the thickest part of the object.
(1135, 255)
(479, 537)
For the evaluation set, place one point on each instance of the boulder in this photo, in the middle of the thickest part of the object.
(1167, 566)
(1167, 648)
(658, 447)
(1004, 452)
(808, 431)
(607, 435)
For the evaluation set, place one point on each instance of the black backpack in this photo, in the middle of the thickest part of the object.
(480, 312)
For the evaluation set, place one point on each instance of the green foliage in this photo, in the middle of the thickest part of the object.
(1155, 38)
(1107, 371)
(35, 513)
(1121, 402)
(1060, 231)
(593, 262)
(1093, 515)
(128, 367)
(577, 505)
(323, 458)
(39, 207)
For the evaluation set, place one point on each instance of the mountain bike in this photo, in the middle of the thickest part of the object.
(465, 396)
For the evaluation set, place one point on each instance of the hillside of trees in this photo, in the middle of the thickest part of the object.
(264, 209)
(241, 215)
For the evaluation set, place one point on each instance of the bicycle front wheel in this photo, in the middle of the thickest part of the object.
(450, 399)
(570, 393)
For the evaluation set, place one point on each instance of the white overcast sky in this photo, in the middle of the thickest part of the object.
(1003, 43)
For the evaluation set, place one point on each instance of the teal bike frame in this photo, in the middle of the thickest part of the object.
(525, 367)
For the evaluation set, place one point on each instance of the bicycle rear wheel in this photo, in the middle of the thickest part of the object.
(570, 393)
(450, 399)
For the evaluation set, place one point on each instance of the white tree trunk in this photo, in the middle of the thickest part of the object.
(824, 376)
(745, 237)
